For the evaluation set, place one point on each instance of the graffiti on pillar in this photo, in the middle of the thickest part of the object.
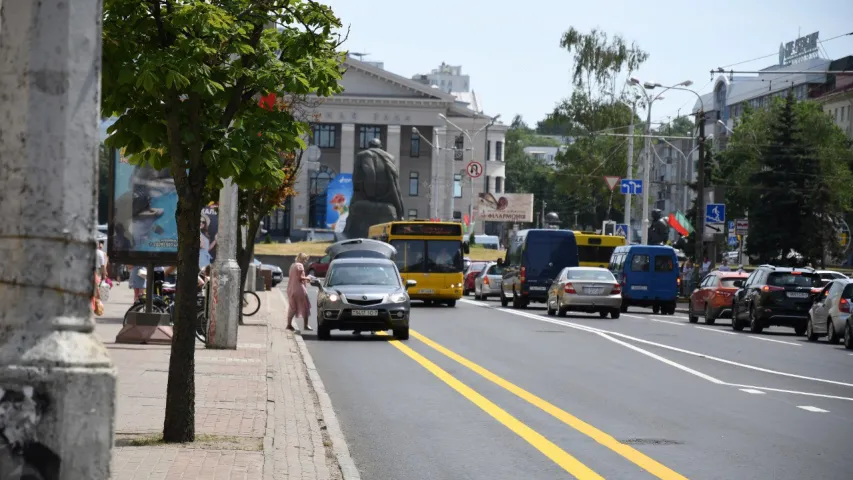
(22, 456)
(214, 300)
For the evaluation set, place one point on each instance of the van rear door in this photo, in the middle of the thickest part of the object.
(546, 254)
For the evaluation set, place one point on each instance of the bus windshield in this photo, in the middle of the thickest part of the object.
(428, 256)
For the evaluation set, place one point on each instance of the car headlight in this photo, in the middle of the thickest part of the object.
(397, 298)
(333, 297)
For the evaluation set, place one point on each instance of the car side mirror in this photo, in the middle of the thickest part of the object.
(738, 283)
(315, 283)
(411, 283)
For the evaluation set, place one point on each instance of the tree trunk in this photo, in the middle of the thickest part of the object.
(179, 424)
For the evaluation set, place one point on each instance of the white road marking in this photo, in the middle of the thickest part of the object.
(772, 340)
(812, 409)
(608, 335)
(752, 391)
(640, 318)
(715, 330)
(666, 321)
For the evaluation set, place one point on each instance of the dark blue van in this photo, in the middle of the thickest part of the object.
(533, 259)
(649, 276)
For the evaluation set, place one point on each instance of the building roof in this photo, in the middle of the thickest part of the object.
(469, 100)
(413, 85)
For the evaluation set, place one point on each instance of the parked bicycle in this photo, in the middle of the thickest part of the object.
(251, 303)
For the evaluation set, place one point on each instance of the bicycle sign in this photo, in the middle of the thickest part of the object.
(474, 169)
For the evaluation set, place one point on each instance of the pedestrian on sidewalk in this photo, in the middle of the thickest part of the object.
(297, 293)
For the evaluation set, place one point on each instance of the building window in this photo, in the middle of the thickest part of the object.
(487, 184)
(415, 145)
(366, 133)
(499, 151)
(499, 187)
(457, 185)
(488, 150)
(458, 147)
(413, 184)
(413, 214)
(324, 135)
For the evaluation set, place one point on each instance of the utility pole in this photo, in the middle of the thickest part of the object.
(700, 190)
(646, 177)
(58, 382)
(630, 172)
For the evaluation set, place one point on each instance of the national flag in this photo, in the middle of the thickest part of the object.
(679, 222)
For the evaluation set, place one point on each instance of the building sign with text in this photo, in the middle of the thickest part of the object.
(801, 49)
(506, 207)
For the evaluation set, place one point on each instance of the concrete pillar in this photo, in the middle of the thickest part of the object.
(347, 147)
(393, 145)
(57, 383)
(225, 288)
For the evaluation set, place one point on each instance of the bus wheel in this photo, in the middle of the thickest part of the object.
(656, 309)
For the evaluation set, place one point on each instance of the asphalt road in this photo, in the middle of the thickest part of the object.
(481, 392)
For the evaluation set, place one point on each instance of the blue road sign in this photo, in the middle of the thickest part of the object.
(621, 230)
(715, 213)
(631, 187)
(733, 241)
(732, 232)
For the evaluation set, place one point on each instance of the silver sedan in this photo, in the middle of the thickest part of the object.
(585, 289)
(830, 314)
(488, 282)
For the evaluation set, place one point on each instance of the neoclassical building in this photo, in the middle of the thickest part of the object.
(431, 134)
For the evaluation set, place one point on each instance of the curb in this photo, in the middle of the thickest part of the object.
(333, 428)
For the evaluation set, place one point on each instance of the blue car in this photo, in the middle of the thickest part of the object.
(648, 275)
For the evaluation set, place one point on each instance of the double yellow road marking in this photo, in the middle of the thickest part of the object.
(559, 456)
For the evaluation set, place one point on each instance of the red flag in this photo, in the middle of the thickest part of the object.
(466, 219)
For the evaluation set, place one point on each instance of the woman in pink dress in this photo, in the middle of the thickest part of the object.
(297, 292)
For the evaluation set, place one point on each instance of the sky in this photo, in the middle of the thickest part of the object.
(512, 50)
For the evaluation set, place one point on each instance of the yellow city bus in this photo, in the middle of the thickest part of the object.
(429, 253)
(594, 250)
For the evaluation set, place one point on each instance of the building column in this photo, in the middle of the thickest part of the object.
(393, 146)
(58, 383)
(347, 147)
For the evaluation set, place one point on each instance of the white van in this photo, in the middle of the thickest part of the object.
(490, 242)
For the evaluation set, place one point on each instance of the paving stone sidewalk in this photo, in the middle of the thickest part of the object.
(257, 415)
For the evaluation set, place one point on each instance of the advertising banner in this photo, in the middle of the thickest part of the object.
(209, 231)
(142, 226)
(506, 207)
(338, 196)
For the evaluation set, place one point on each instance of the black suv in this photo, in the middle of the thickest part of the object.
(779, 296)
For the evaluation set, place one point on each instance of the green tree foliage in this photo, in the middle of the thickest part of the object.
(678, 127)
(526, 174)
(184, 79)
(788, 166)
(596, 105)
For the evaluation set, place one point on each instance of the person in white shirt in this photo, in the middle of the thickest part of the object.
(101, 260)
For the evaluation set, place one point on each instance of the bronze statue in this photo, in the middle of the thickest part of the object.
(658, 229)
(375, 191)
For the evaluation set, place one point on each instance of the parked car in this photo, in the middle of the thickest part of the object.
(361, 248)
(585, 289)
(275, 271)
(830, 314)
(320, 267)
(470, 274)
(648, 275)
(363, 295)
(488, 281)
(714, 296)
(779, 296)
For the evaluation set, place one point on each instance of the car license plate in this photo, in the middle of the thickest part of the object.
(426, 291)
(365, 313)
(594, 291)
(538, 288)
(798, 295)
(639, 287)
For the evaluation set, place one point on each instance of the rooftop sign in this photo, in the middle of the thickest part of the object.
(799, 50)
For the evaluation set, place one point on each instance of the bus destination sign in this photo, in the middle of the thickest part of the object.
(426, 229)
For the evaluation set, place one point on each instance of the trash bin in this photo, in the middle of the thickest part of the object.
(267, 274)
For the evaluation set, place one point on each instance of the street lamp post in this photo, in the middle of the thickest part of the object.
(435, 181)
(647, 159)
(471, 138)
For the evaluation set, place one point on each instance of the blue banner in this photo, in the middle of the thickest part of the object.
(338, 196)
(143, 212)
